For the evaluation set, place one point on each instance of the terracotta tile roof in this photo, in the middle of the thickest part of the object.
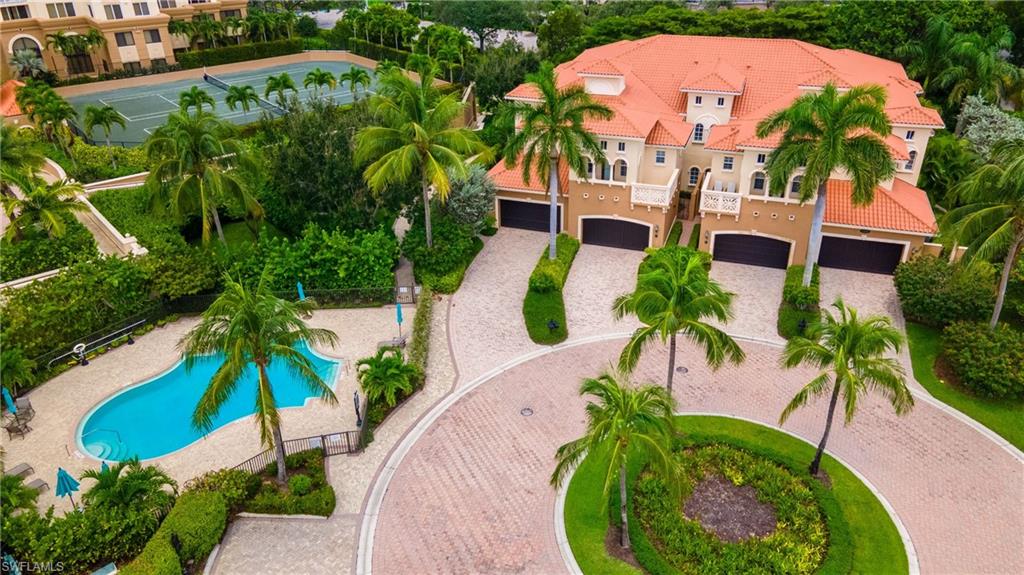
(512, 178)
(670, 131)
(8, 104)
(819, 78)
(600, 68)
(768, 71)
(716, 76)
(905, 208)
(898, 147)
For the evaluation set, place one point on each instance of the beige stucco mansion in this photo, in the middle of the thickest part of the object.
(136, 32)
(682, 144)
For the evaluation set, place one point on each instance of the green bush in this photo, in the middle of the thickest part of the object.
(791, 319)
(234, 485)
(800, 296)
(419, 348)
(157, 558)
(199, 520)
(450, 282)
(95, 163)
(988, 362)
(129, 211)
(318, 500)
(38, 253)
(550, 275)
(377, 51)
(694, 241)
(453, 246)
(239, 53)
(934, 292)
(674, 234)
(82, 541)
(538, 309)
(300, 485)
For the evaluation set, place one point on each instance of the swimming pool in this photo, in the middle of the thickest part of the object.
(154, 418)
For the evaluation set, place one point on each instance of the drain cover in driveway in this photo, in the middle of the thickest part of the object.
(526, 411)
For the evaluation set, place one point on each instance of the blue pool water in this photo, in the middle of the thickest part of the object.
(154, 418)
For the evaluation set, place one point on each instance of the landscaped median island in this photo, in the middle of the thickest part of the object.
(745, 503)
(543, 306)
(800, 304)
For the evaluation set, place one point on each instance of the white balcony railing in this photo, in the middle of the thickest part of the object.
(719, 200)
(655, 194)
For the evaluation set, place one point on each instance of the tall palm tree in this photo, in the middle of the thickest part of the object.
(385, 67)
(675, 295)
(356, 77)
(319, 79)
(258, 24)
(16, 370)
(195, 97)
(278, 85)
(106, 117)
(826, 131)
(553, 131)
(208, 29)
(991, 225)
(849, 351)
(73, 44)
(252, 327)
(184, 28)
(243, 96)
(129, 484)
(197, 160)
(48, 110)
(928, 57)
(978, 66)
(415, 139)
(385, 375)
(40, 205)
(285, 22)
(27, 63)
(236, 27)
(623, 423)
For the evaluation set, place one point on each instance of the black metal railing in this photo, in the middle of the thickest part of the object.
(341, 443)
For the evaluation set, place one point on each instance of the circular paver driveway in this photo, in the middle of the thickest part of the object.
(472, 494)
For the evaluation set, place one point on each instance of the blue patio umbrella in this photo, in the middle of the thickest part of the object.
(398, 317)
(66, 485)
(302, 293)
(14, 408)
(104, 467)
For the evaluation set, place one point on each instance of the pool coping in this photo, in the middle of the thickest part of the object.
(340, 364)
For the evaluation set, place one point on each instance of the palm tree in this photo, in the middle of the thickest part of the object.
(991, 225)
(551, 132)
(105, 117)
(195, 97)
(17, 153)
(928, 57)
(356, 76)
(185, 28)
(318, 79)
(197, 164)
(235, 27)
(73, 44)
(675, 295)
(208, 29)
(252, 327)
(130, 485)
(258, 24)
(27, 63)
(40, 206)
(978, 66)
(385, 67)
(242, 96)
(286, 21)
(625, 422)
(849, 351)
(50, 112)
(16, 370)
(416, 139)
(15, 495)
(826, 131)
(277, 85)
(385, 375)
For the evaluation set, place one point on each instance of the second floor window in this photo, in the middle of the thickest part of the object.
(604, 144)
(721, 102)
(124, 39)
(758, 184)
(694, 175)
(141, 8)
(113, 12)
(622, 146)
(14, 12)
(910, 162)
(909, 136)
(794, 188)
(151, 36)
(698, 100)
(659, 157)
(60, 10)
(761, 159)
(727, 163)
(163, 4)
(698, 133)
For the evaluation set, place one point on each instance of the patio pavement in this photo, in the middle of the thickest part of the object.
(756, 306)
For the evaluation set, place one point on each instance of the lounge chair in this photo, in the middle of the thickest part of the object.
(718, 186)
(15, 427)
(731, 188)
(24, 406)
(22, 470)
(38, 484)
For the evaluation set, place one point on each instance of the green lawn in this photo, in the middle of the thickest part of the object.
(538, 308)
(238, 233)
(674, 233)
(1001, 416)
(863, 537)
(694, 240)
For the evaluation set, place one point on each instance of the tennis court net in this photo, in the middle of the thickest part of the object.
(265, 104)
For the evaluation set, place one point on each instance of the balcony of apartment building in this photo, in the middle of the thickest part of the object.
(619, 174)
(723, 197)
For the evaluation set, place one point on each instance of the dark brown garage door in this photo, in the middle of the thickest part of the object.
(752, 250)
(859, 255)
(527, 215)
(615, 233)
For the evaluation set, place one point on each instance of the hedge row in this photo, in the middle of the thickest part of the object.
(198, 521)
(543, 303)
(240, 53)
(40, 253)
(377, 52)
(419, 348)
(800, 304)
(935, 292)
(988, 362)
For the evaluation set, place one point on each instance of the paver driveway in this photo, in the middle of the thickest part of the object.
(756, 306)
(472, 496)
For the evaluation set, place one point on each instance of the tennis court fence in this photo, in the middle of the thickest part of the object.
(265, 104)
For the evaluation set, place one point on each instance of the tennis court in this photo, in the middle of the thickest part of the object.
(145, 108)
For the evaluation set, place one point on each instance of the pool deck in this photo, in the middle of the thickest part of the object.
(61, 403)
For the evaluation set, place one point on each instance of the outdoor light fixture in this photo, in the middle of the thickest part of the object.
(865, 232)
(656, 229)
(552, 325)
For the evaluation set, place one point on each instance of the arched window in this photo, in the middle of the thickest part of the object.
(910, 163)
(619, 171)
(24, 43)
(794, 188)
(604, 171)
(758, 184)
(698, 133)
(694, 175)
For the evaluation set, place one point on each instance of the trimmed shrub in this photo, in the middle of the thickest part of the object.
(234, 485)
(129, 211)
(199, 520)
(450, 282)
(453, 242)
(39, 253)
(300, 485)
(935, 292)
(550, 275)
(419, 348)
(239, 53)
(318, 499)
(377, 51)
(988, 362)
(694, 241)
(82, 541)
(796, 294)
(543, 302)
(95, 163)
(157, 558)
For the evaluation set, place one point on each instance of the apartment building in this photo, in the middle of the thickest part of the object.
(682, 144)
(135, 32)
